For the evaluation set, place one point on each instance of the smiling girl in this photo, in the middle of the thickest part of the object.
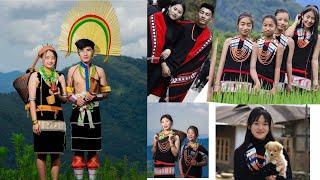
(304, 32)
(249, 158)
(265, 70)
(165, 149)
(234, 68)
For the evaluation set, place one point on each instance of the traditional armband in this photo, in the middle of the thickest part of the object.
(105, 89)
(70, 89)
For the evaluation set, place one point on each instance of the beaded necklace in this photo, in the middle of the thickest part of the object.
(240, 49)
(303, 38)
(48, 75)
(188, 153)
(267, 51)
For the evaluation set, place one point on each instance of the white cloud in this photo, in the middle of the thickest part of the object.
(27, 24)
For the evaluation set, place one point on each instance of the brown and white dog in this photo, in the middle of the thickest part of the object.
(274, 154)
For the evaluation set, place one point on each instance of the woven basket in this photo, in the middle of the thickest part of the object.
(21, 83)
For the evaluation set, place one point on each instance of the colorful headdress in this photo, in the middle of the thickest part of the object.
(96, 21)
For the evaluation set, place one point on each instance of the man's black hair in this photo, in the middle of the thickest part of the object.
(82, 43)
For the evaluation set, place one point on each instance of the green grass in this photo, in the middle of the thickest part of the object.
(26, 166)
(243, 97)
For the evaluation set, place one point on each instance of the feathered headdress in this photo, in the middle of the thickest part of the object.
(96, 21)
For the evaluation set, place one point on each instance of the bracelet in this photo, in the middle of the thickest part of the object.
(34, 122)
(32, 98)
(73, 98)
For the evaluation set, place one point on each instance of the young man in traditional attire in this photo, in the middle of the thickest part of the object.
(87, 85)
(190, 52)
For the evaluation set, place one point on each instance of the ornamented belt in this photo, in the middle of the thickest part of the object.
(233, 86)
(52, 125)
(164, 171)
(87, 109)
(49, 108)
(300, 82)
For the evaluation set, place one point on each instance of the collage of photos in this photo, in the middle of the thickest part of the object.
(255, 66)
(148, 89)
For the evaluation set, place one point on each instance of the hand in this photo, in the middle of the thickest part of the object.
(166, 53)
(89, 97)
(289, 87)
(273, 91)
(272, 177)
(36, 129)
(315, 86)
(80, 102)
(193, 162)
(171, 139)
(297, 19)
(256, 87)
(217, 88)
(165, 70)
(155, 139)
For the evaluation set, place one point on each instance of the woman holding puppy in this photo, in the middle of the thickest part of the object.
(249, 158)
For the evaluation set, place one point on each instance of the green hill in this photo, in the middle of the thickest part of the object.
(123, 113)
(227, 11)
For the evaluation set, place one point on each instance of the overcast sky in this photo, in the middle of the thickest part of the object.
(183, 115)
(28, 24)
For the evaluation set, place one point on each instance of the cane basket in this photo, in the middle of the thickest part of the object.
(21, 86)
(21, 83)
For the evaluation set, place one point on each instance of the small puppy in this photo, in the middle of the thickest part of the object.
(274, 154)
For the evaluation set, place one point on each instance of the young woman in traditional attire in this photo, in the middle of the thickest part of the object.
(190, 52)
(164, 31)
(265, 69)
(282, 17)
(47, 91)
(304, 32)
(234, 68)
(165, 149)
(193, 155)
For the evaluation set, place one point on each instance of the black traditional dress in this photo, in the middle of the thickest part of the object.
(301, 61)
(164, 160)
(236, 70)
(163, 34)
(283, 40)
(266, 63)
(187, 154)
(189, 53)
(50, 118)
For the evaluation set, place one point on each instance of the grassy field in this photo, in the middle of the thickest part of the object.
(26, 166)
(242, 97)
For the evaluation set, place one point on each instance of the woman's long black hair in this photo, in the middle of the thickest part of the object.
(254, 116)
(314, 28)
(174, 2)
